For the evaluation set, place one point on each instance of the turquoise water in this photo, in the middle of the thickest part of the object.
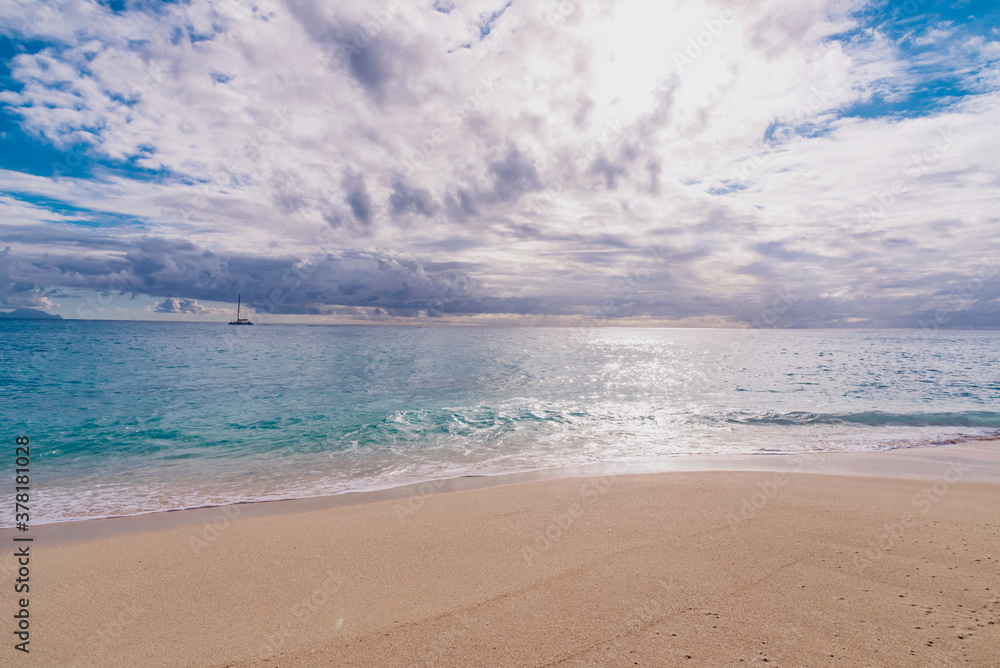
(129, 417)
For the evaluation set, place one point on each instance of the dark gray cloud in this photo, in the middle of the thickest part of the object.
(364, 39)
(610, 171)
(18, 288)
(64, 236)
(664, 284)
(405, 199)
(312, 284)
(461, 205)
(358, 198)
(779, 250)
(289, 197)
(372, 67)
(653, 169)
(514, 175)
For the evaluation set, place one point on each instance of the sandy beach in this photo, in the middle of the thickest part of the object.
(814, 562)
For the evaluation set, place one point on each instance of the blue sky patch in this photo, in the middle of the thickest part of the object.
(726, 188)
(83, 217)
(929, 36)
(487, 25)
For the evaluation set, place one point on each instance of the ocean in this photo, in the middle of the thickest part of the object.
(136, 417)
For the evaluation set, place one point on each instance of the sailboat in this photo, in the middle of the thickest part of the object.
(239, 320)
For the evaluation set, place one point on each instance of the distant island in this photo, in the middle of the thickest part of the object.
(29, 314)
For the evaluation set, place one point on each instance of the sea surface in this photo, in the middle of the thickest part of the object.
(135, 417)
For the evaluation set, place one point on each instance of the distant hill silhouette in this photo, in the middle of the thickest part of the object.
(29, 314)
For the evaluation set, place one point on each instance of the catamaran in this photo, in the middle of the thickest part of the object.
(239, 320)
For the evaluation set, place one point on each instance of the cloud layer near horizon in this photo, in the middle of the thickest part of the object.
(820, 163)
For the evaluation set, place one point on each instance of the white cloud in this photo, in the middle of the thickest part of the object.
(185, 306)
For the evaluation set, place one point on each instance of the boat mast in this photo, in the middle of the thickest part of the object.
(238, 307)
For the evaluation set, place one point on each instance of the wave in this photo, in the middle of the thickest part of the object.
(982, 419)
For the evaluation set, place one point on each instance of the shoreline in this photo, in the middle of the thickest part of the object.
(915, 462)
(715, 567)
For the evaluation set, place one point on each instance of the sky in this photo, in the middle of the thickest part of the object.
(764, 163)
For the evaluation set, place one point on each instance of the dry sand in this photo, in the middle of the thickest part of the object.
(657, 569)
